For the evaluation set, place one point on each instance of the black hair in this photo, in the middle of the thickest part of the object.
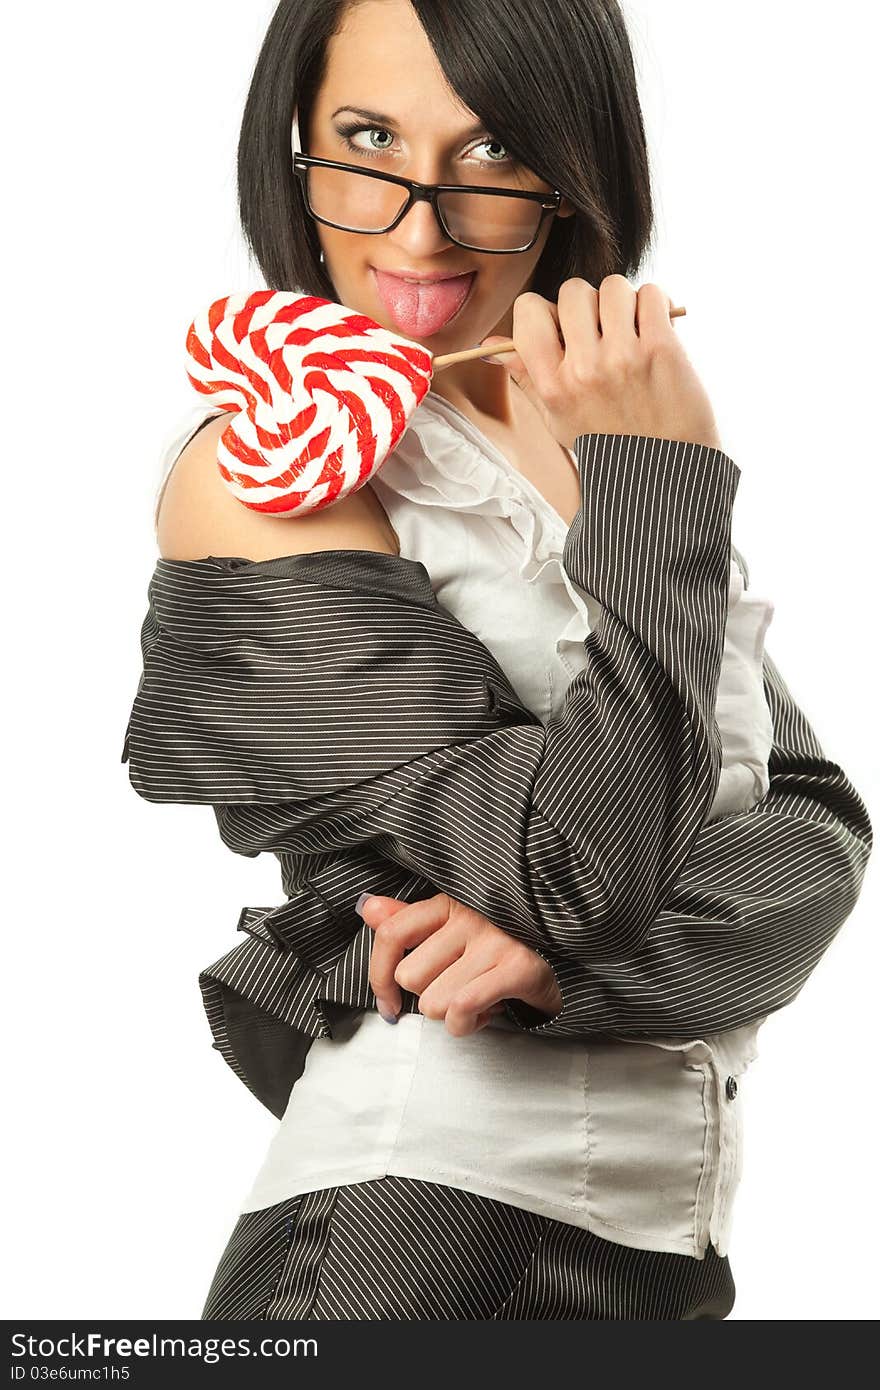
(553, 80)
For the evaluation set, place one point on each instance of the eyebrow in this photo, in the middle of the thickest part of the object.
(381, 119)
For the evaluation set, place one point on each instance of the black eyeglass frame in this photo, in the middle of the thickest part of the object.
(425, 193)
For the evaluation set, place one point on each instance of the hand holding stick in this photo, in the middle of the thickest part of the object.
(469, 354)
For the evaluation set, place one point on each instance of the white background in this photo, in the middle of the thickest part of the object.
(130, 1142)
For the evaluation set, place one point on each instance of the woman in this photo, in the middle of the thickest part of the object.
(494, 447)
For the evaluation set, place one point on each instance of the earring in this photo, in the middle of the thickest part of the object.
(321, 258)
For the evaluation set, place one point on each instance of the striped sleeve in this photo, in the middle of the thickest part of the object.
(263, 699)
(761, 897)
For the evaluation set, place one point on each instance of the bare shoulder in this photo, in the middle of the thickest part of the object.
(198, 515)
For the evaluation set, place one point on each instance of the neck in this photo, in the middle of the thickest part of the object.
(487, 391)
(477, 387)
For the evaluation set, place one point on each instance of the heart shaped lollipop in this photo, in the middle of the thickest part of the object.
(320, 395)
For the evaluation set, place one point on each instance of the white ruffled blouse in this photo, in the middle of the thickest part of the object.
(631, 1139)
(493, 547)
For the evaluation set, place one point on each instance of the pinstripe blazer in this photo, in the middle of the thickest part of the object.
(332, 712)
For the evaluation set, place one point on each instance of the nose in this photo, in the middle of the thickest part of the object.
(419, 233)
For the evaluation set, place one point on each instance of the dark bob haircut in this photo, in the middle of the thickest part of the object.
(554, 80)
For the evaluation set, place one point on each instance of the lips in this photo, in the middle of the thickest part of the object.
(420, 309)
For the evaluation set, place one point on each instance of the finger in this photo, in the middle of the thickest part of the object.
(512, 977)
(434, 959)
(452, 961)
(475, 1001)
(512, 361)
(578, 307)
(377, 907)
(485, 1018)
(375, 911)
(394, 934)
(487, 1015)
(535, 323)
(617, 308)
(463, 1010)
(652, 315)
(492, 341)
(540, 352)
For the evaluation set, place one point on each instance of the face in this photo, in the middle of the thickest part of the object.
(380, 62)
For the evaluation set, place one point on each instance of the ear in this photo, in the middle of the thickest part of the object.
(566, 209)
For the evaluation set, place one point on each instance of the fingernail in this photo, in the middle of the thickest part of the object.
(364, 898)
(498, 361)
(389, 1018)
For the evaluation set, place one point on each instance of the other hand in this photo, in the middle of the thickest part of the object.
(606, 361)
(458, 962)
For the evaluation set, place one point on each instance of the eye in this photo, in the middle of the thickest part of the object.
(494, 159)
(347, 131)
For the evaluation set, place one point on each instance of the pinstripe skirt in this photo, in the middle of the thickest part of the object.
(400, 1248)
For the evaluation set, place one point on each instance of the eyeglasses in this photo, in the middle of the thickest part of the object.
(497, 221)
(494, 220)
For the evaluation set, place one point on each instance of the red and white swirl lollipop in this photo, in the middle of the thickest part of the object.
(319, 395)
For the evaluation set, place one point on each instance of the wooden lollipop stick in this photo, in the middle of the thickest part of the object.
(469, 354)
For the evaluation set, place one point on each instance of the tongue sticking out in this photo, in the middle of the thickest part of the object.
(420, 310)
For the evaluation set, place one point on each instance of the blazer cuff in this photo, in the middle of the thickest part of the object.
(577, 1014)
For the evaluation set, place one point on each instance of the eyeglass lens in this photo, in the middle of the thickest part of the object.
(358, 203)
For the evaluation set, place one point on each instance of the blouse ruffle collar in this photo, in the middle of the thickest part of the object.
(444, 460)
